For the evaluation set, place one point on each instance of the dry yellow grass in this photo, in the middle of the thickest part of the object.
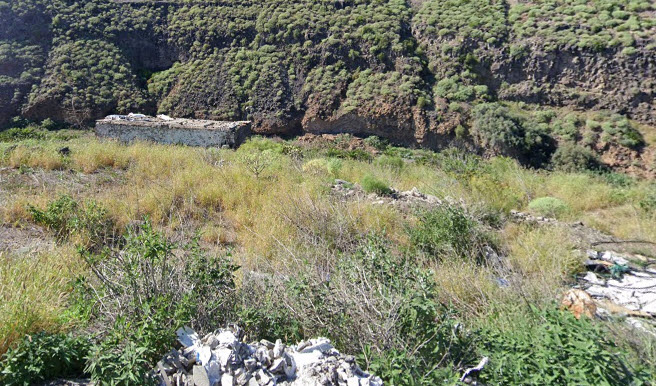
(35, 157)
(544, 259)
(34, 291)
(96, 155)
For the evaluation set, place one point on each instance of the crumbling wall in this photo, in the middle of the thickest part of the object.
(232, 136)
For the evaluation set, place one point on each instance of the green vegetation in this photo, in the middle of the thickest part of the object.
(548, 206)
(448, 231)
(225, 244)
(497, 129)
(124, 243)
(43, 357)
(569, 351)
(371, 184)
(590, 24)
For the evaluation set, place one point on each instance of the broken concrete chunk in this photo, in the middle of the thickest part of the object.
(278, 349)
(200, 376)
(187, 337)
(227, 380)
(278, 366)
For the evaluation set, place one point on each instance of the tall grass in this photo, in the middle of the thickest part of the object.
(33, 292)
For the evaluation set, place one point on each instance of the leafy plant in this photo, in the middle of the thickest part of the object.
(42, 357)
(66, 217)
(146, 292)
(553, 346)
(371, 184)
(448, 230)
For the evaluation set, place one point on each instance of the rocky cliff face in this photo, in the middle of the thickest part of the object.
(405, 71)
(581, 79)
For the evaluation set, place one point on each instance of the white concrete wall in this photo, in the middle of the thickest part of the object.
(182, 136)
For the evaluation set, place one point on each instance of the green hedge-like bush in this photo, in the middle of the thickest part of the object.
(548, 206)
(573, 158)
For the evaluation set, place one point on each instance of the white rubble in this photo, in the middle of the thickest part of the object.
(634, 290)
(221, 359)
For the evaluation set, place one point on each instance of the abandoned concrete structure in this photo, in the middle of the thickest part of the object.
(164, 129)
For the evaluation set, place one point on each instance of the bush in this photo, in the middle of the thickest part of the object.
(391, 162)
(148, 291)
(573, 158)
(548, 206)
(372, 301)
(495, 128)
(553, 347)
(89, 222)
(376, 142)
(21, 133)
(44, 357)
(323, 166)
(371, 184)
(446, 231)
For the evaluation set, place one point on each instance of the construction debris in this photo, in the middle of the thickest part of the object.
(221, 359)
(579, 303)
(410, 197)
(618, 285)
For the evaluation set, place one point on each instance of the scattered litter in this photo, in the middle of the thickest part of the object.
(471, 374)
(164, 117)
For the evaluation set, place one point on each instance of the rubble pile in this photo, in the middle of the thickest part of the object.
(621, 283)
(413, 196)
(615, 285)
(221, 359)
(529, 218)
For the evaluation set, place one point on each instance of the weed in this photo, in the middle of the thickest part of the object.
(553, 346)
(371, 184)
(448, 230)
(548, 206)
(42, 357)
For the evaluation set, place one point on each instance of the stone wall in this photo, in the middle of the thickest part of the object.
(183, 132)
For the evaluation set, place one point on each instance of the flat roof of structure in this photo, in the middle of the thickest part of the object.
(163, 121)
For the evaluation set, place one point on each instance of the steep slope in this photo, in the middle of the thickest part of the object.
(407, 71)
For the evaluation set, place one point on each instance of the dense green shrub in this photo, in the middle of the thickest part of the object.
(21, 133)
(617, 128)
(42, 357)
(448, 230)
(553, 347)
(494, 127)
(548, 206)
(376, 142)
(89, 222)
(573, 158)
(371, 184)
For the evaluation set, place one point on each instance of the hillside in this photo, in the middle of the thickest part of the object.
(517, 78)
